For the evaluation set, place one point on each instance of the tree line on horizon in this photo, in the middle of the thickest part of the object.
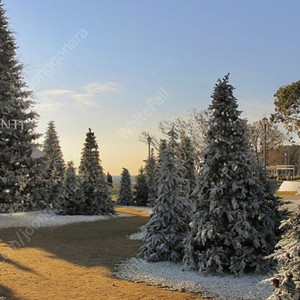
(57, 186)
(144, 192)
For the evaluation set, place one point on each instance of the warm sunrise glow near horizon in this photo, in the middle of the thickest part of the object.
(121, 67)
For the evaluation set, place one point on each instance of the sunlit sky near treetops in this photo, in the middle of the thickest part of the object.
(121, 67)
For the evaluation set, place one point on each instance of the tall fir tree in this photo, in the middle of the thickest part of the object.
(287, 278)
(162, 146)
(141, 189)
(181, 165)
(95, 188)
(37, 182)
(173, 140)
(187, 156)
(168, 225)
(275, 203)
(233, 227)
(73, 197)
(125, 193)
(150, 170)
(54, 166)
(17, 131)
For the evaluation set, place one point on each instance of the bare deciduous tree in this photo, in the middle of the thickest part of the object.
(274, 137)
(193, 126)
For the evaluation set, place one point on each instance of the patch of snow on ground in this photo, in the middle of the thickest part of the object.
(47, 218)
(171, 275)
(139, 235)
(168, 274)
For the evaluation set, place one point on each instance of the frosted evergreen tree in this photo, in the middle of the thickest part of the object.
(52, 152)
(37, 182)
(162, 146)
(141, 189)
(125, 193)
(54, 166)
(168, 225)
(173, 140)
(187, 156)
(17, 135)
(95, 188)
(185, 190)
(273, 201)
(287, 279)
(150, 170)
(72, 201)
(233, 227)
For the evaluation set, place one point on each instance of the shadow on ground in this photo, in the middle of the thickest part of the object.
(18, 265)
(6, 293)
(101, 243)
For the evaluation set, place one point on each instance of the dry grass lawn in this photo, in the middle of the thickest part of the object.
(74, 262)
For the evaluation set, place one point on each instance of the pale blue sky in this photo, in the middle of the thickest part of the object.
(94, 63)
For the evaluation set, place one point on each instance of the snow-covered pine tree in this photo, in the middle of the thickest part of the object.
(37, 181)
(54, 166)
(273, 201)
(150, 170)
(141, 189)
(17, 125)
(184, 188)
(125, 193)
(173, 137)
(162, 146)
(187, 156)
(233, 227)
(168, 224)
(287, 279)
(95, 188)
(73, 196)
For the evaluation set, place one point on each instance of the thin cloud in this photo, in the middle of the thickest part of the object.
(99, 88)
(56, 99)
(53, 100)
(255, 110)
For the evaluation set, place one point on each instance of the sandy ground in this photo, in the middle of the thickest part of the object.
(74, 262)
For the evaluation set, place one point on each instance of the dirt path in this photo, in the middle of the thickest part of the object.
(74, 262)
